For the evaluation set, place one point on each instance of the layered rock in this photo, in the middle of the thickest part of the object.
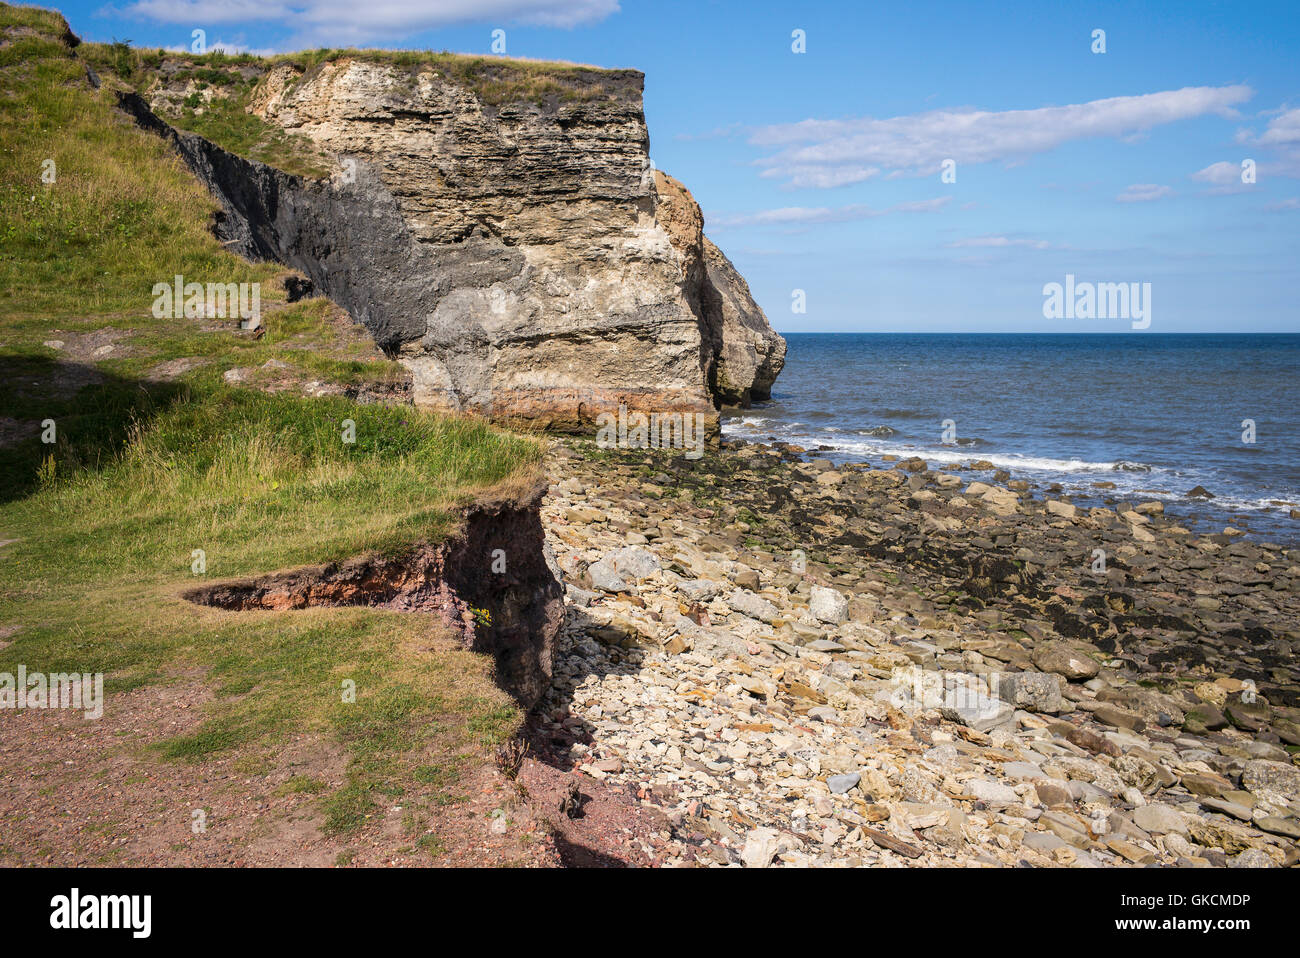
(500, 230)
(747, 353)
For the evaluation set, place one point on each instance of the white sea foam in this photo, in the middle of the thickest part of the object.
(1131, 478)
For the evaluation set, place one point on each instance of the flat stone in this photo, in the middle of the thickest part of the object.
(1063, 660)
(1021, 770)
(1275, 825)
(1044, 842)
(840, 784)
(979, 712)
(699, 590)
(1200, 783)
(1226, 807)
(1063, 509)
(754, 606)
(1119, 718)
(1160, 819)
(992, 793)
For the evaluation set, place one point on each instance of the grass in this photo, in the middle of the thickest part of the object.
(496, 81)
(209, 94)
(100, 235)
(226, 122)
(106, 520)
(216, 108)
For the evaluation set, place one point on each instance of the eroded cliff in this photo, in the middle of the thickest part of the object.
(499, 228)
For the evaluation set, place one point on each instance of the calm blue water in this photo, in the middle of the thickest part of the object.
(1155, 414)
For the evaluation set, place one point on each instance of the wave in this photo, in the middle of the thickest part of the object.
(1132, 479)
(904, 414)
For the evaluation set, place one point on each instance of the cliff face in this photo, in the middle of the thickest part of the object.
(748, 353)
(516, 252)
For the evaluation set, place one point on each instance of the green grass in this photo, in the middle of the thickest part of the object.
(99, 236)
(106, 519)
(226, 122)
(301, 785)
(496, 81)
(221, 87)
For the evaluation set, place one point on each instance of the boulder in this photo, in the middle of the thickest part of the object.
(1066, 660)
(1032, 691)
(829, 606)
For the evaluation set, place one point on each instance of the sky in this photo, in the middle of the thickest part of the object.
(911, 167)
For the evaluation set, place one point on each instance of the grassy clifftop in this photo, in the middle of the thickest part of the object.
(209, 93)
(158, 457)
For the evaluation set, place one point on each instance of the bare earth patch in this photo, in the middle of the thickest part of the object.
(75, 792)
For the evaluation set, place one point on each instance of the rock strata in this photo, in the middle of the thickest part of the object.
(515, 251)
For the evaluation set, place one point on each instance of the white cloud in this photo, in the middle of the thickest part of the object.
(1222, 173)
(999, 242)
(346, 21)
(1144, 193)
(1282, 129)
(1223, 177)
(824, 153)
(804, 215)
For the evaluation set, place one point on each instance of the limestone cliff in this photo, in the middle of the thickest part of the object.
(748, 353)
(500, 230)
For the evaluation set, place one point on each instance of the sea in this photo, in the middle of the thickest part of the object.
(1157, 415)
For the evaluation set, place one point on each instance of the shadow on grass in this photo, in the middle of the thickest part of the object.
(88, 411)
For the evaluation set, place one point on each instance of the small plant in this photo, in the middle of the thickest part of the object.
(483, 617)
(510, 757)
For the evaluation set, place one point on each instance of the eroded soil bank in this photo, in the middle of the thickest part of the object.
(490, 583)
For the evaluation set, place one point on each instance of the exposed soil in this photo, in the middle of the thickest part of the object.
(87, 793)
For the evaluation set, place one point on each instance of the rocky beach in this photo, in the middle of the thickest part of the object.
(799, 664)
(415, 482)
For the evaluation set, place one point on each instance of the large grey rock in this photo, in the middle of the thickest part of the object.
(1160, 819)
(618, 571)
(827, 605)
(1032, 691)
(1066, 660)
(754, 606)
(977, 711)
(839, 784)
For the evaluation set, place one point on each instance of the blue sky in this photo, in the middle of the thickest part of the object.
(821, 171)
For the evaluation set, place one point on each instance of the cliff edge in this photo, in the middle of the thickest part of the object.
(499, 229)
